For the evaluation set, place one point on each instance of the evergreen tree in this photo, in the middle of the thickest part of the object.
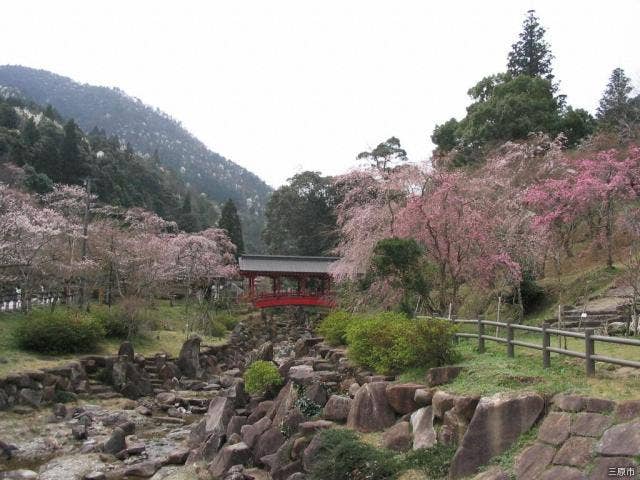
(8, 116)
(301, 218)
(531, 55)
(30, 133)
(230, 221)
(617, 110)
(71, 168)
(187, 220)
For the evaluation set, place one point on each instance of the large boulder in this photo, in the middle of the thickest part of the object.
(337, 408)
(229, 456)
(424, 435)
(284, 410)
(575, 452)
(555, 429)
(401, 397)
(370, 411)
(621, 440)
(189, 358)
(497, 423)
(126, 350)
(398, 437)
(533, 461)
(129, 379)
(210, 433)
(441, 375)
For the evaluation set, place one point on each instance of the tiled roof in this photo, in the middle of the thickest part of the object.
(285, 264)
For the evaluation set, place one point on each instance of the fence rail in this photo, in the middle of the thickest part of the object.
(16, 302)
(589, 354)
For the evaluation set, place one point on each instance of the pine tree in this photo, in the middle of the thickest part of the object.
(230, 221)
(617, 110)
(30, 133)
(531, 54)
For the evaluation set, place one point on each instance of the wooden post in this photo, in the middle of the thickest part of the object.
(480, 334)
(559, 325)
(546, 343)
(456, 338)
(498, 315)
(589, 350)
(510, 351)
(450, 307)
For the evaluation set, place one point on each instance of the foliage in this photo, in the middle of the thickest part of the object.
(334, 326)
(176, 154)
(400, 261)
(343, 457)
(434, 461)
(386, 155)
(390, 342)
(307, 407)
(58, 332)
(300, 216)
(260, 376)
(531, 54)
(617, 111)
(230, 222)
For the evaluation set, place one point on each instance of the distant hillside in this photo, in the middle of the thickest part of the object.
(148, 130)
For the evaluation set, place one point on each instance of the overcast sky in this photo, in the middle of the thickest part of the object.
(284, 86)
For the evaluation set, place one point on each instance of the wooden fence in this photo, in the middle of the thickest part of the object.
(590, 339)
(15, 302)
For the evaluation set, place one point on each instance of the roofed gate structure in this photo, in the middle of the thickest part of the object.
(295, 281)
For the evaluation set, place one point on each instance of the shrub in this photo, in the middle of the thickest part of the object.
(127, 319)
(390, 342)
(228, 320)
(343, 457)
(58, 332)
(114, 324)
(260, 376)
(334, 327)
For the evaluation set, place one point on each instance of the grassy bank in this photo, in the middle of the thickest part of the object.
(493, 372)
(167, 335)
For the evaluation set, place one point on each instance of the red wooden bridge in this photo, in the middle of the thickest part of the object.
(295, 281)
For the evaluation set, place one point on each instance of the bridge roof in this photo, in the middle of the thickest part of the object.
(285, 264)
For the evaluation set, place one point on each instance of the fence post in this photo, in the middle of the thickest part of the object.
(510, 351)
(456, 338)
(480, 334)
(546, 343)
(588, 352)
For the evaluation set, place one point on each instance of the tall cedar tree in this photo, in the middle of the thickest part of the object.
(187, 220)
(230, 221)
(531, 55)
(617, 111)
(72, 167)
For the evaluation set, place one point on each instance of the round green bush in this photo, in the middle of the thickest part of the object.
(58, 332)
(391, 342)
(334, 327)
(260, 376)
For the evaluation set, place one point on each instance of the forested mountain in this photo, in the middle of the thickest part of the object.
(150, 132)
(48, 150)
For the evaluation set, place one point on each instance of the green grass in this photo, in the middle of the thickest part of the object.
(493, 372)
(168, 336)
(507, 458)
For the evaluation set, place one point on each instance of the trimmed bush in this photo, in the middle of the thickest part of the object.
(391, 342)
(261, 376)
(334, 327)
(59, 332)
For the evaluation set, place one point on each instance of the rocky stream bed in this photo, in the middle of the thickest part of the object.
(190, 417)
